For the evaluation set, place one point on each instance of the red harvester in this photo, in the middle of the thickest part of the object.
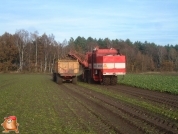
(102, 65)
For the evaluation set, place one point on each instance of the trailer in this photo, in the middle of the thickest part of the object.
(65, 71)
(101, 65)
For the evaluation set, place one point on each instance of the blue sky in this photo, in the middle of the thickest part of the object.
(138, 20)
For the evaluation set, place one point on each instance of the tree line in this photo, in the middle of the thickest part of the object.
(25, 51)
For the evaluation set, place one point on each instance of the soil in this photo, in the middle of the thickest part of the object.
(102, 114)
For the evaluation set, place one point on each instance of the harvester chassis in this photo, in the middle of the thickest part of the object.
(104, 79)
(101, 65)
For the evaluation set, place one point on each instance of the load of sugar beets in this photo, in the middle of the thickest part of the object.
(100, 65)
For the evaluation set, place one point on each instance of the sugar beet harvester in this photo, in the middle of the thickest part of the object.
(65, 70)
(102, 65)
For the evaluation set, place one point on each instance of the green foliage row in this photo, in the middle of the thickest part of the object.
(26, 98)
(157, 82)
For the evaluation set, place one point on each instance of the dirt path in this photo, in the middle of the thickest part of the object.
(119, 116)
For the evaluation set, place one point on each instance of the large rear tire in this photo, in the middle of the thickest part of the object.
(59, 79)
(74, 80)
(85, 79)
(90, 79)
(106, 80)
(113, 80)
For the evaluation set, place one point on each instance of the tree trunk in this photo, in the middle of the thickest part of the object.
(41, 66)
(45, 64)
(36, 58)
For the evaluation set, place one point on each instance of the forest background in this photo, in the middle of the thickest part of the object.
(30, 52)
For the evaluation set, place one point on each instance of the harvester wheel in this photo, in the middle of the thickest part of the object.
(113, 80)
(106, 80)
(59, 80)
(85, 76)
(89, 77)
(74, 80)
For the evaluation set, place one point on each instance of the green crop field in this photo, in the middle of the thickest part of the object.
(34, 99)
(25, 97)
(41, 108)
(159, 82)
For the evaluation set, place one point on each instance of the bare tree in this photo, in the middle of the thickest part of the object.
(28, 51)
(62, 46)
(34, 37)
(46, 42)
(21, 40)
(161, 54)
(172, 54)
(52, 53)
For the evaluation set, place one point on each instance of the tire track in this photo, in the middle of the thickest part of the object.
(169, 101)
(137, 114)
(109, 117)
(88, 122)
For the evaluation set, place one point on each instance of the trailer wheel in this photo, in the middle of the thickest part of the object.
(74, 80)
(59, 80)
(54, 77)
(113, 80)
